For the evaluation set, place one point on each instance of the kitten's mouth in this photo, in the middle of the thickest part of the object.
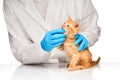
(65, 30)
(62, 27)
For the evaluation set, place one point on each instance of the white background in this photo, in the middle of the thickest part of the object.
(107, 47)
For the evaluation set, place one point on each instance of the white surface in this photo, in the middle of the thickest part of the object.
(105, 71)
(107, 47)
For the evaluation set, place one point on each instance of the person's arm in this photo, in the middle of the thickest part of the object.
(89, 28)
(24, 50)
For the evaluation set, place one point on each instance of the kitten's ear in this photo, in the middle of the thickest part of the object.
(69, 18)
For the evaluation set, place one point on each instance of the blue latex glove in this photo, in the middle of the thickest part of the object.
(53, 39)
(81, 41)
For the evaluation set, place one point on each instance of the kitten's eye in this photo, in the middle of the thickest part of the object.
(76, 25)
(68, 26)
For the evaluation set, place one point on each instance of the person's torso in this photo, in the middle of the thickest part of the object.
(56, 14)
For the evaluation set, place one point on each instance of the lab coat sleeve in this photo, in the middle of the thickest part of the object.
(24, 50)
(89, 27)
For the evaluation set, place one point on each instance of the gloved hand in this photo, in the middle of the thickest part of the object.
(53, 39)
(81, 41)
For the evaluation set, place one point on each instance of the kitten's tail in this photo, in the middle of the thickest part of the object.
(96, 62)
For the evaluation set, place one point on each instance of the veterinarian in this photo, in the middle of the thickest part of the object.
(34, 28)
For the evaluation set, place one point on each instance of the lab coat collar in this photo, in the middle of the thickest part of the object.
(33, 12)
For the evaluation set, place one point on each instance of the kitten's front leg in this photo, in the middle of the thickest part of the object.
(73, 63)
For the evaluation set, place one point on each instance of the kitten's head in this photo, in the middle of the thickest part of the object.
(71, 27)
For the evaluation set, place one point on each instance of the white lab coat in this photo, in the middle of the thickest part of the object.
(26, 27)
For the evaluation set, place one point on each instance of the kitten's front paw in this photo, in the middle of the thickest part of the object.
(61, 47)
(68, 65)
(70, 69)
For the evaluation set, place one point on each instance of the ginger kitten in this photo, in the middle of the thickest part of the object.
(78, 60)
